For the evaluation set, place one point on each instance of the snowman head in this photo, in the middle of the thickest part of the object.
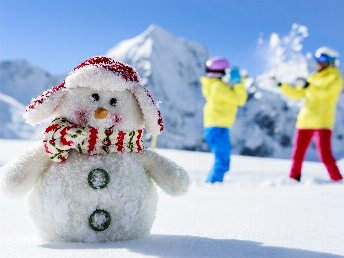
(100, 93)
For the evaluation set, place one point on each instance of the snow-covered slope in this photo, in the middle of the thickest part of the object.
(19, 82)
(256, 213)
(24, 81)
(12, 122)
(170, 67)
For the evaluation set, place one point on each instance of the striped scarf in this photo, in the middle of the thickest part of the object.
(61, 136)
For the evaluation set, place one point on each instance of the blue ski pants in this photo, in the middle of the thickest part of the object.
(218, 140)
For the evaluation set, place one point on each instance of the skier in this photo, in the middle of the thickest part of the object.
(222, 102)
(320, 93)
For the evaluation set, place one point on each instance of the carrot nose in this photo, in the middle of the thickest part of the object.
(101, 113)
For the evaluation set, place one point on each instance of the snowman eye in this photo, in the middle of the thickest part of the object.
(113, 102)
(95, 97)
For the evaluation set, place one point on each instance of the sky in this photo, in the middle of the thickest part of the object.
(58, 35)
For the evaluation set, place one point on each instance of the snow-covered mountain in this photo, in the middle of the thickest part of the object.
(24, 81)
(19, 82)
(11, 119)
(170, 67)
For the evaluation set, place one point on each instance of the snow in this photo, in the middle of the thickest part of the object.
(11, 119)
(256, 212)
(19, 82)
(22, 80)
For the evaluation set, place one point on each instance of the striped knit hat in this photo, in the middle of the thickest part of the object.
(99, 73)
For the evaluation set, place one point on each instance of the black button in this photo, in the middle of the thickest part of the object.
(98, 178)
(99, 220)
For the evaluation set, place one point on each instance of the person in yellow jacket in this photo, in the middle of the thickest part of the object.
(316, 118)
(222, 102)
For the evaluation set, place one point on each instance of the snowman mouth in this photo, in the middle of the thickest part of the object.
(116, 119)
(81, 116)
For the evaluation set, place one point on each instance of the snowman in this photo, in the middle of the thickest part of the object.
(90, 179)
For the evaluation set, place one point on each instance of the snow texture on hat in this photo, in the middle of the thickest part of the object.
(99, 73)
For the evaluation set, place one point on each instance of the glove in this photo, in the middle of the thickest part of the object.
(235, 77)
(301, 82)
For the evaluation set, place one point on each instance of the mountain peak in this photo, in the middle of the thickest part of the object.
(155, 31)
(143, 43)
(154, 28)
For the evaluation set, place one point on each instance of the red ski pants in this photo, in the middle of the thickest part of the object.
(322, 139)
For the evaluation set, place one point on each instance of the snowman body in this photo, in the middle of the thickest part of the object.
(90, 179)
(122, 201)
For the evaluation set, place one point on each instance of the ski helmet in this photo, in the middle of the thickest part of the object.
(325, 55)
(217, 64)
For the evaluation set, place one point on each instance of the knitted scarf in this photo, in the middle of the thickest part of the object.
(61, 136)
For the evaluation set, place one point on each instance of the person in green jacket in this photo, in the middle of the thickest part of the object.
(222, 102)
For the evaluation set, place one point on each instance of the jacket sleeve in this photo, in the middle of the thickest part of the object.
(324, 82)
(241, 93)
(325, 87)
(235, 95)
(296, 93)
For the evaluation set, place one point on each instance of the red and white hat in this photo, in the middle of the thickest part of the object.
(99, 73)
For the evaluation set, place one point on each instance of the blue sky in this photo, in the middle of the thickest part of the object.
(57, 35)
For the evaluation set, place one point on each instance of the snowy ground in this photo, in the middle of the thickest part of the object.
(255, 213)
